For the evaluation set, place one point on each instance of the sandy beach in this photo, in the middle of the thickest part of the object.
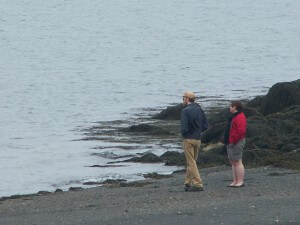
(271, 196)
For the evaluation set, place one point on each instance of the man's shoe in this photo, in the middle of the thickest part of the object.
(195, 189)
(187, 187)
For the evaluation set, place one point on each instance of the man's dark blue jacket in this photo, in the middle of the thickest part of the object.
(193, 122)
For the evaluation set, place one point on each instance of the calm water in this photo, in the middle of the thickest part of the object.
(66, 64)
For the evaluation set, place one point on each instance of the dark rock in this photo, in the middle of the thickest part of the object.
(224, 114)
(214, 133)
(92, 183)
(259, 130)
(259, 134)
(282, 126)
(256, 156)
(284, 122)
(170, 113)
(214, 157)
(288, 147)
(148, 129)
(296, 131)
(256, 102)
(111, 181)
(141, 128)
(105, 166)
(111, 155)
(17, 197)
(58, 190)
(249, 112)
(218, 121)
(43, 193)
(257, 142)
(170, 154)
(179, 171)
(148, 158)
(219, 117)
(171, 158)
(75, 188)
(265, 157)
(290, 113)
(175, 161)
(289, 140)
(156, 176)
(224, 150)
(134, 184)
(280, 96)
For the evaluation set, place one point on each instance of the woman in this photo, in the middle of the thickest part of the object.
(235, 140)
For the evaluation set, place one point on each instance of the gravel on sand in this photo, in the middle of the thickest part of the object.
(270, 196)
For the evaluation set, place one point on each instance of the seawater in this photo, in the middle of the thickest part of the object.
(66, 64)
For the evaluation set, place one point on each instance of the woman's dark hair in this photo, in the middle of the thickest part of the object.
(238, 105)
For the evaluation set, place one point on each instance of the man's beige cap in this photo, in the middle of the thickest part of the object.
(189, 94)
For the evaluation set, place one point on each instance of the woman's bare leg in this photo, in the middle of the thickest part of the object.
(240, 172)
(234, 173)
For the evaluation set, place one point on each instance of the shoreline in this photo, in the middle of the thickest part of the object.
(272, 135)
(271, 196)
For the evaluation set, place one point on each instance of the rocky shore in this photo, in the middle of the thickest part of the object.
(272, 159)
(273, 131)
(273, 136)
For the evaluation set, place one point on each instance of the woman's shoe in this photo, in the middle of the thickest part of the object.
(231, 185)
(240, 185)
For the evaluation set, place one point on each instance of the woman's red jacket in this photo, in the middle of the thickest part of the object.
(238, 128)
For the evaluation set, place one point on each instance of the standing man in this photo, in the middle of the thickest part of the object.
(193, 122)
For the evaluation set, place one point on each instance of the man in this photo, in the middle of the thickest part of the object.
(193, 122)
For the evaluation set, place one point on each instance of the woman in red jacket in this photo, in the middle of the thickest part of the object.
(235, 140)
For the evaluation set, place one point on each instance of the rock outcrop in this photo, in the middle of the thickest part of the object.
(170, 113)
(273, 129)
(280, 96)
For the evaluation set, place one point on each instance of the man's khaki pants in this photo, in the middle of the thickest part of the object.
(191, 147)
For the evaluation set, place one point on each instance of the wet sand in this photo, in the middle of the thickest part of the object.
(271, 196)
